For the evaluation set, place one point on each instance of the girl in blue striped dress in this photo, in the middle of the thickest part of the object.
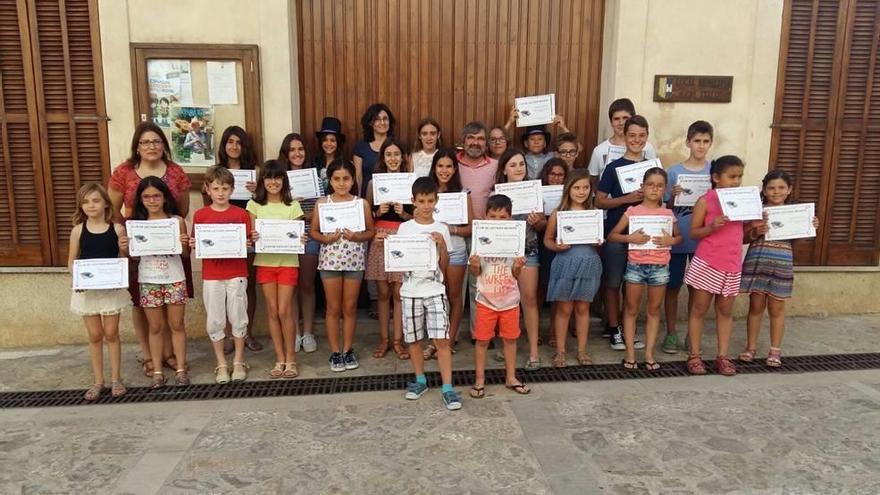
(767, 273)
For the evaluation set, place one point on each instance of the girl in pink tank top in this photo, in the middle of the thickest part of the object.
(715, 270)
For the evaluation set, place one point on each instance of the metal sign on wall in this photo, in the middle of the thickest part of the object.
(693, 89)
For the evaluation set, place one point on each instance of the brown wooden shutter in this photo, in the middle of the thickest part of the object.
(24, 234)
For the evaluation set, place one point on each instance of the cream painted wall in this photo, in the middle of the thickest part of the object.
(268, 24)
(738, 38)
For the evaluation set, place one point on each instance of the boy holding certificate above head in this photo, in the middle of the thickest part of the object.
(497, 302)
(425, 307)
(225, 280)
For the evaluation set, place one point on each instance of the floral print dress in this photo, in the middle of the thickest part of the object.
(343, 255)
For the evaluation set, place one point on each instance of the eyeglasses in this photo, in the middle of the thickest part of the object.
(568, 152)
(152, 143)
(382, 119)
(496, 140)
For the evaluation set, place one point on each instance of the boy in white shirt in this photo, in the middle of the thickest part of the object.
(423, 293)
(614, 147)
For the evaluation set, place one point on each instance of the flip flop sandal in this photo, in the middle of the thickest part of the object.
(519, 388)
(94, 392)
(652, 365)
(477, 392)
(117, 389)
(630, 365)
(381, 350)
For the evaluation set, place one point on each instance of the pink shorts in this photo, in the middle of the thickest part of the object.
(281, 275)
(701, 276)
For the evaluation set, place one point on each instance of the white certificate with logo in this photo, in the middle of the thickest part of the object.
(221, 240)
(632, 176)
(580, 227)
(280, 236)
(693, 187)
(614, 152)
(410, 253)
(153, 237)
(654, 226)
(552, 196)
(498, 238)
(535, 110)
(339, 216)
(304, 183)
(451, 208)
(242, 177)
(526, 195)
(392, 188)
(790, 221)
(741, 203)
(100, 273)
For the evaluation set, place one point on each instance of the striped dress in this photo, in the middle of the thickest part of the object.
(767, 269)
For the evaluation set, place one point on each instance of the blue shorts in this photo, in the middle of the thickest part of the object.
(646, 274)
(313, 247)
(533, 260)
(458, 258)
(614, 256)
(677, 266)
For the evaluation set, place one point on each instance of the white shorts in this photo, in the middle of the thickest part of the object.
(225, 300)
(425, 315)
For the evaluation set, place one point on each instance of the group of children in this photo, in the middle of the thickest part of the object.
(702, 249)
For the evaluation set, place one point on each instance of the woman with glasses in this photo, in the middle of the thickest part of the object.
(150, 157)
(498, 142)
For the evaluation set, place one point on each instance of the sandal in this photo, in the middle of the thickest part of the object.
(533, 364)
(252, 344)
(181, 378)
(747, 356)
(277, 371)
(381, 349)
(239, 372)
(147, 366)
(695, 365)
(167, 363)
(559, 360)
(290, 370)
(94, 392)
(477, 392)
(519, 388)
(117, 389)
(724, 366)
(373, 314)
(400, 350)
(630, 365)
(774, 359)
(158, 380)
(652, 365)
(551, 342)
(584, 359)
(430, 352)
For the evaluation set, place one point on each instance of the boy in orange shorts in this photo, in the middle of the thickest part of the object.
(497, 305)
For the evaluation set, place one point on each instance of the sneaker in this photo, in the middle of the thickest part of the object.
(670, 344)
(617, 342)
(414, 390)
(451, 400)
(608, 332)
(336, 362)
(309, 344)
(297, 343)
(350, 360)
(638, 344)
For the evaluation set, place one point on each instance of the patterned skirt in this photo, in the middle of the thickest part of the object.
(767, 269)
(376, 261)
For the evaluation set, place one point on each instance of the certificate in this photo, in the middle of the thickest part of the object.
(790, 221)
(280, 236)
(153, 237)
(221, 240)
(452, 208)
(410, 253)
(392, 188)
(693, 186)
(580, 227)
(552, 196)
(338, 216)
(526, 195)
(741, 203)
(242, 177)
(614, 152)
(653, 225)
(304, 183)
(535, 110)
(498, 238)
(100, 273)
(632, 176)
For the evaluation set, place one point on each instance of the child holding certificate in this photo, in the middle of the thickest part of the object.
(277, 274)
(575, 272)
(716, 269)
(95, 236)
(445, 172)
(646, 266)
(387, 218)
(162, 280)
(619, 112)
(497, 305)
(225, 281)
(553, 174)
(512, 168)
(767, 273)
(342, 260)
(424, 297)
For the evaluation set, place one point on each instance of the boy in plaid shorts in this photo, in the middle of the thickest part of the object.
(423, 293)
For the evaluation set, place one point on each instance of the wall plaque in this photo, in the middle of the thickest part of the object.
(693, 89)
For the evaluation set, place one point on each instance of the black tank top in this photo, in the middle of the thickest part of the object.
(103, 245)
